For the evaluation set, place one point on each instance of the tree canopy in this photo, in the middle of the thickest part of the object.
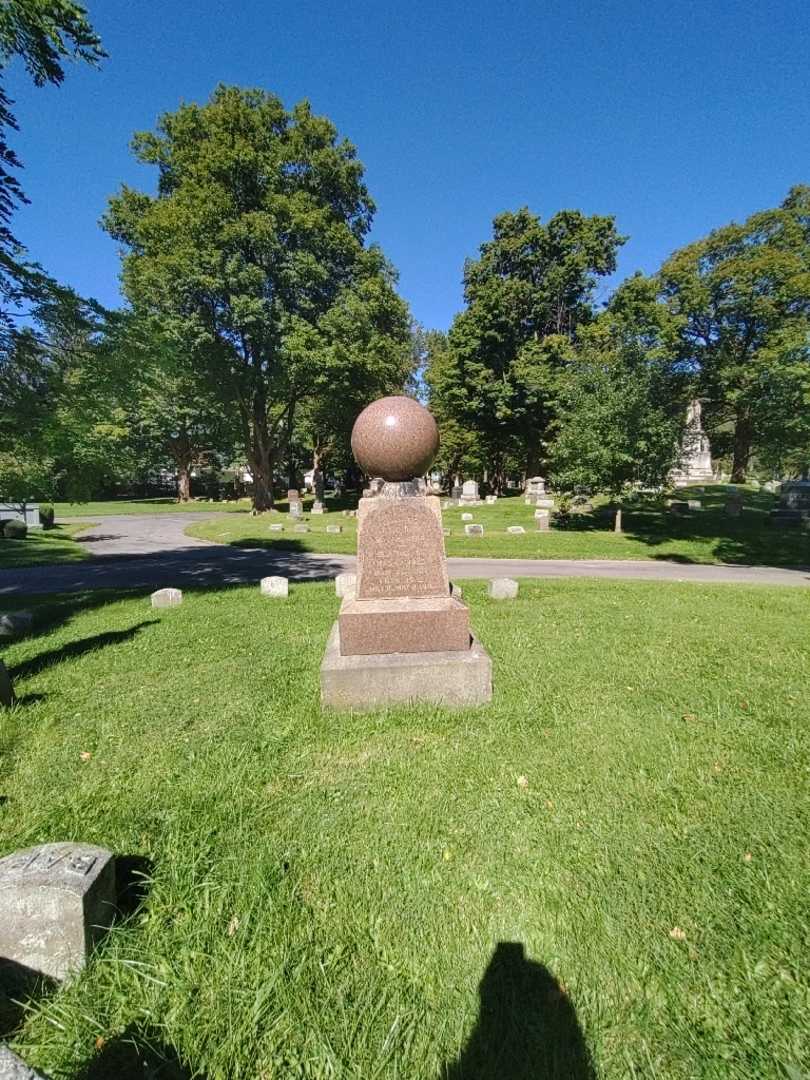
(251, 253)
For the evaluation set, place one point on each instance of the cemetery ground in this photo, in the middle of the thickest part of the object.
(324, 893)
(650, 531)
(42, 547)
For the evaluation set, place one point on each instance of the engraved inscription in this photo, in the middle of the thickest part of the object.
(401, 551)
(43, 859)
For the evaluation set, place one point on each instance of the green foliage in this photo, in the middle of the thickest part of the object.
(527, 295)
(252, 253)
(47, 515)
(622, 398)
(741, 297)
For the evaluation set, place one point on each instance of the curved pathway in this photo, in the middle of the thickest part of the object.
(152, 551)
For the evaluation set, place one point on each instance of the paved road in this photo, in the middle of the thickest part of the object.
(151, 551)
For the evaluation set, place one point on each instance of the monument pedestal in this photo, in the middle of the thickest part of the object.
(401, 636)
(375, 680)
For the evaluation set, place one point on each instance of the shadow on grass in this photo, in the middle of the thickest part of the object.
(73, 649)
(19, 985)
(527, 1028)
(136, 1054)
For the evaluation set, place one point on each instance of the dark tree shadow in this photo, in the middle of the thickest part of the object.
(73, 649)
(136, 1054)
(527, 1028)
(19, 985)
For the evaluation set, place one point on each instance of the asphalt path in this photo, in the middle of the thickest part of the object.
(152, 551)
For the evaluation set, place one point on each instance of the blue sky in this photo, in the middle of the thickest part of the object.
(674, 117)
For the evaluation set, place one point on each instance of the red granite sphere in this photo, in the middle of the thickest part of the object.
(395, 438)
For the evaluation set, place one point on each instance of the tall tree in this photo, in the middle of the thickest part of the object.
(255, 235)
(527, 294)
(43, 34)
(742, 295)
(621, 397)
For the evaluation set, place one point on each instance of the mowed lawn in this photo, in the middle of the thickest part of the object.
(602, 874)
(42, 547)
(707, 535)
(163, 505)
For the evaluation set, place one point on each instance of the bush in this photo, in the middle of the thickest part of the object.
(15, 530)
(47, 515)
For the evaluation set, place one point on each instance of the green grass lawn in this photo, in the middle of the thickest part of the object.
(705, 536)
(146, 506)
(42, 546)
(614, 851)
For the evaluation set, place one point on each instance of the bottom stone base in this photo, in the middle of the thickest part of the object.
(373, 681)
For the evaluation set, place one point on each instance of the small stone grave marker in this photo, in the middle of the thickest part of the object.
(334, 529)
(694, 504)
(167, 598)
(276, 528)
(317, 507)
(56, 901)
(466, 517)
(516, 530)
(14, 1068)
(543, 519)
(502, 588)
(300, 528)
(491, 500)
(274, 586)
(346, 585)
(473, 530)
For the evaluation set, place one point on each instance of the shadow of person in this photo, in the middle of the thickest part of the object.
(527, 1028)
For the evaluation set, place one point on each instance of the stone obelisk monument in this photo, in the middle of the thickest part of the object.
(402, 636)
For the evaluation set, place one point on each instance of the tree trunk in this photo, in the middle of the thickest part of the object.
(317, 473)
(183, 483)
(743, 438)
(260, 456)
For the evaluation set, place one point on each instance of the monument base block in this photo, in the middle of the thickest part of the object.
(403, 625)
(373, 681)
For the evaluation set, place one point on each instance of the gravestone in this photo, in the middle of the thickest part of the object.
(7, 696)
(516, 530)
(491, 500)
(694, 504)
(345, 585)
(167, 598)
(473, 530)
(14, 1068)
(334, 529)
(277, 528)
(469, 491)
(502, 588)
(293, 495)
(317, 507)
(16, 623)
(535, 489)
(455, 492)
(56, 901)
(274, 586)
(794, 503)
(696, 455)
(543, 519)
(296, 509)
(300, 528)
(466, 517)
(402, 635)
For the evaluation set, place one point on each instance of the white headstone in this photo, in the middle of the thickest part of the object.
(274, 586)
(276, 528)
(515, 530)
(466, 517)
(334, 529)
(473, 530)
(502, 588)
(346, 585)
(167, 598)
